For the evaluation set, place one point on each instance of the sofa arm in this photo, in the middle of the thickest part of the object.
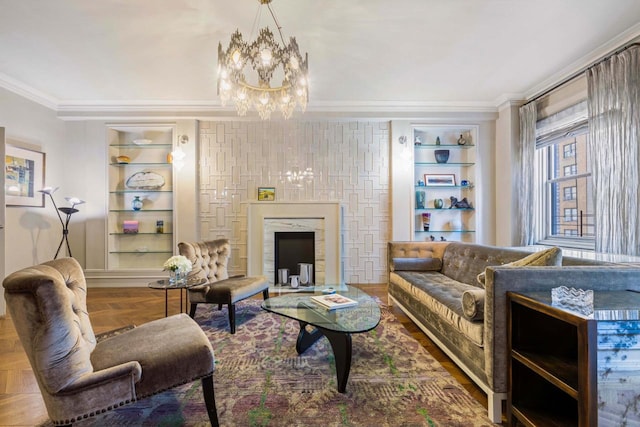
(500, 280)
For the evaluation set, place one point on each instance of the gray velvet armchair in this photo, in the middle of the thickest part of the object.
(81, 377)
(209, 261)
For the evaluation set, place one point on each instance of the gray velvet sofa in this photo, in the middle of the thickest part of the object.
(429, 280)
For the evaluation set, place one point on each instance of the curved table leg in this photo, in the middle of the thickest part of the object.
(340, 344)
(305, 338)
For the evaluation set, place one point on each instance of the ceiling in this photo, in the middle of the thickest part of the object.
(470, 54)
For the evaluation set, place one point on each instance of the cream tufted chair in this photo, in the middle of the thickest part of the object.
(79, 376)
(209, 260)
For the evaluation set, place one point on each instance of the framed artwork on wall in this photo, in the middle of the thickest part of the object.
(442, 180)
(24, 176)
(266, 194)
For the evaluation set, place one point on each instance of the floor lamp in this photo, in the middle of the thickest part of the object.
(68, 211)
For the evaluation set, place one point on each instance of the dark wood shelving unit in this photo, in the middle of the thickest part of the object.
(552, 365)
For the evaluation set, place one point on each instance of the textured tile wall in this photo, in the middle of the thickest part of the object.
(350, 163)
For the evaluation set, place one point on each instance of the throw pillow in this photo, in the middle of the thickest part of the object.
(416, 264)
(473, 304)
(548, 257)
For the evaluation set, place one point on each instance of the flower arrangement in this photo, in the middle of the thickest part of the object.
(178, 263)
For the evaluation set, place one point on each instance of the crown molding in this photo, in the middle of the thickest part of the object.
(586, 61)
(25, 91)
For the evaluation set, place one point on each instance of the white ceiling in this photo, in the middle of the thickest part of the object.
(445, 53)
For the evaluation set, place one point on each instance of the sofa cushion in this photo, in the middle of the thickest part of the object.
(547, 257)
(473, 304)
(416, 264)
(441, 295)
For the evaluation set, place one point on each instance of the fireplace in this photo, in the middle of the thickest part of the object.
(291, 248)
(323, 219)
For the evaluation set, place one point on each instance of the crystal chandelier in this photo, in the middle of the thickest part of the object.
(246, 71)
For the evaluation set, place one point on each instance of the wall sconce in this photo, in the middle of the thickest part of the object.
(68, 211)
(177, 155)
(402, 140)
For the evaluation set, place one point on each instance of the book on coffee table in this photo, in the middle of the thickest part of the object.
(333, 301)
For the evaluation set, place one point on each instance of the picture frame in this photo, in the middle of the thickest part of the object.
(440, 180)
(266, 194)
(24, 176)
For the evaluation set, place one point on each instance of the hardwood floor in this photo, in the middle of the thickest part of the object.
(111, 308)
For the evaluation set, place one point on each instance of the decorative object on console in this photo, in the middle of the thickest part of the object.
(417, 140)
(437, 140)
(159, 226)
(262, 57)
(295, 280)
(123, 160)
(577, 300)
(442, 156)
(438, 203)
(145, 181)
(136, 203)
(130, 227)
(283, 276)
(68, 211)
(461, 140)
(459, 204)
(420, 199)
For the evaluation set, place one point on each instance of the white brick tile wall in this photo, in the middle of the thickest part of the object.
(350, 162)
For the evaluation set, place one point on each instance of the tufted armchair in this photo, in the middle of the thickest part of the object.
(79, 376)
(209, 261)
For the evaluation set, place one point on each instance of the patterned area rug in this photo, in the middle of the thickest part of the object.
(260, 380)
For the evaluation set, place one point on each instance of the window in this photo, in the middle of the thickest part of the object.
(565, 216)
(570, 192)
(569, 150)
(570, 214)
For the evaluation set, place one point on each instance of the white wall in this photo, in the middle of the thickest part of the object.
(32, 234)
(507, 134)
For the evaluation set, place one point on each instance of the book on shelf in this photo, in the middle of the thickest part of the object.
(333, 301)
(130, 227)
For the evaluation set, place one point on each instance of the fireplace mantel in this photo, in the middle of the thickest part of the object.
(328, 213)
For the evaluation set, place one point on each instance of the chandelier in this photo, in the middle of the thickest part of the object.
(247, 72)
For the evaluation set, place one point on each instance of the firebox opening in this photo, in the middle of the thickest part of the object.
(291, 248)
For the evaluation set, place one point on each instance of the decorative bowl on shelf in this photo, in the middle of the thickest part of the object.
(123, 159)
(442, 156)
(142, 141)
(145, 181)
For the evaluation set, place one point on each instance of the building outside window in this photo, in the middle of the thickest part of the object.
(569, 150)
(570, 170)
(570, 193)
(570, 214)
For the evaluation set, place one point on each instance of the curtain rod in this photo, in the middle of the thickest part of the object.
(580, 72)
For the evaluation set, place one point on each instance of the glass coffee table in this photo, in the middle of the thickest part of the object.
(337, 324)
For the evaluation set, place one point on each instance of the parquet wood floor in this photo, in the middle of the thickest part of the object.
(111, 308)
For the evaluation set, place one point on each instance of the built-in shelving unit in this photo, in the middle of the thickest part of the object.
(143, 151)
(436, 181)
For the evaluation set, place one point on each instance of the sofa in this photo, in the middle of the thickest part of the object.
(457, 294)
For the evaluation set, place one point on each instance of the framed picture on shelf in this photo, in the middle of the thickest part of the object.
(441, 180)
(266, 194)
(24, 176)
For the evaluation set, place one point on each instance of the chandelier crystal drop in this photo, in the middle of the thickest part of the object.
(248, 72)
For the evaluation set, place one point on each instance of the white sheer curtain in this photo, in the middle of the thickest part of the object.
(614, 120)
(524, 194)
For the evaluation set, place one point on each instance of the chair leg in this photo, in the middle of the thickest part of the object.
(210, 400)
(232, 318)
(265, 294)
(192, 310)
